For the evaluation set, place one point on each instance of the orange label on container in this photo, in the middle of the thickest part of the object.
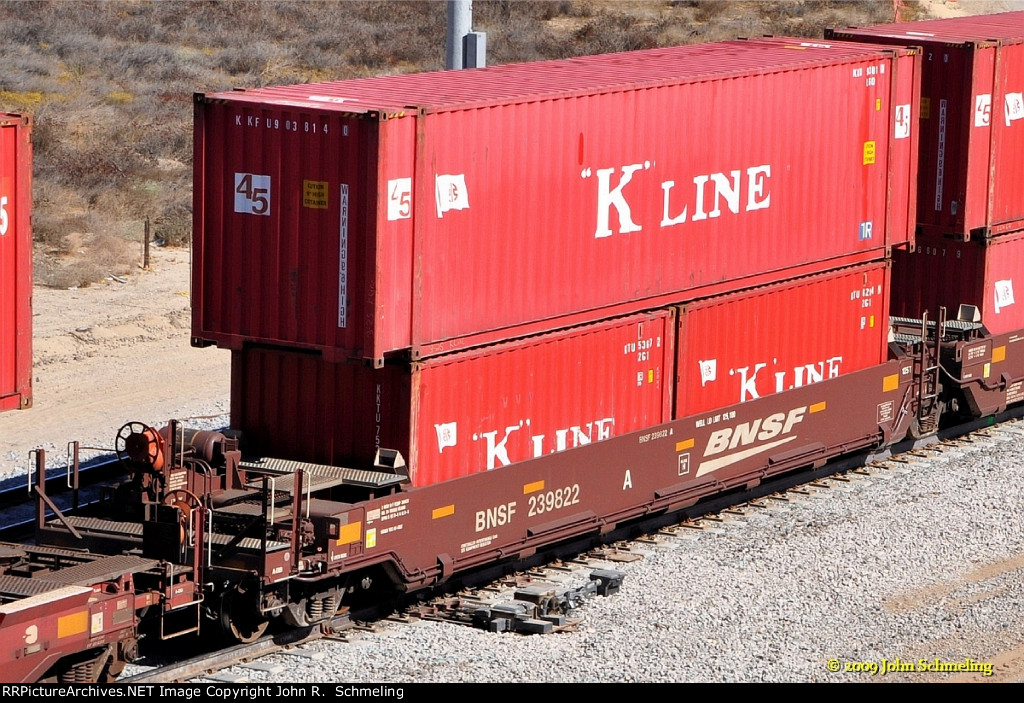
(926, 108)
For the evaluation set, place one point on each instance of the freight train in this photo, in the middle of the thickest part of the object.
(476, 314)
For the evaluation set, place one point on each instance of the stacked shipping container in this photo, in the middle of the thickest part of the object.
(495, 233)
(476, 410)
(971, 189)
(425, 213)
(15, 262)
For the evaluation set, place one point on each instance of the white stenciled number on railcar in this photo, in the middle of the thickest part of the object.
(554, 500)
(31, 634)
(252, 194)
(4, 222)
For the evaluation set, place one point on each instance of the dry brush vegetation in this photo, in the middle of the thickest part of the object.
(110, 84)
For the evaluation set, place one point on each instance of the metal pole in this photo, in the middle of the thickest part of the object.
(145, 247)
(460, 23)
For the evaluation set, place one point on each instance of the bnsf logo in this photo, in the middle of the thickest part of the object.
(774, 427)
(757, 431)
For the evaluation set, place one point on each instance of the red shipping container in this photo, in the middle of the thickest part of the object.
(436, 211)
(464, 412)
(945, 273)
(972, 120)
(15, 261)
(739, 347)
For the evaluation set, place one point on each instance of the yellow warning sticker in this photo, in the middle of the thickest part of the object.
(314, 194)
(869, 153)
(926, 108)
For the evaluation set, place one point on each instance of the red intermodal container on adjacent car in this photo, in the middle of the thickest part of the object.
(972, 119)
(460, 413)
(738, 347)
(432, 212)
(15, 261)
(988, 275)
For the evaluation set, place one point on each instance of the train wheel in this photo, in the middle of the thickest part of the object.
(240, 617)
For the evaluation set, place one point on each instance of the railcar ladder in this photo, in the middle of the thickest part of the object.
(928, 374)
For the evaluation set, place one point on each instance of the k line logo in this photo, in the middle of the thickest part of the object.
(739, 190)
(450, 192)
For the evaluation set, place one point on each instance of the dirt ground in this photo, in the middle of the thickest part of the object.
(958, 8)
(112, 353)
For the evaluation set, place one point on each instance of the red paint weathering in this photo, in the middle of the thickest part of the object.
(735, 348)
(15, 262)
(972, 119)
(461, 413)
(432, 212)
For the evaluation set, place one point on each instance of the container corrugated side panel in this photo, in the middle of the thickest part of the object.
(539, 193)
(972, 120)
(466, 412)
(15, 262)
(288, 246)
(988, 275)
(1006, 198)
(583, 210)
(739, 347)
(482, 410)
